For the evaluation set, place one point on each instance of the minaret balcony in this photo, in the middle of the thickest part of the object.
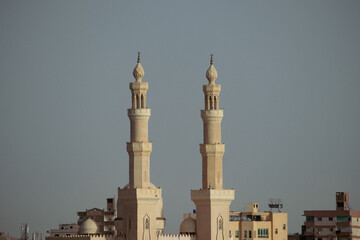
(139, 113)
(139, 147)
(206, 149)
(212, 115)
(220, 195)
(151, 194)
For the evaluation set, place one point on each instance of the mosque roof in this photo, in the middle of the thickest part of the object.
(188, 225)
(89, 226)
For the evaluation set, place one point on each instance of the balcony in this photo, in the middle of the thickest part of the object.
(107, 223)
(343, 234)
(109, 212)
(309, 233)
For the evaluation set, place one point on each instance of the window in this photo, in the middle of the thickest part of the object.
(220, 224)
(284, 226)
(237, 234)
(249, 234)
(309, 218)
(70, 227)
(343, 218)
(330, 218)
(276, 231)
(147, 224)
(62, 227)
(319, 219)
(245, 234)
(263, 233)
(340, 204)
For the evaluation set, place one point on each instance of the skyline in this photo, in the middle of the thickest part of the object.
(290, 92)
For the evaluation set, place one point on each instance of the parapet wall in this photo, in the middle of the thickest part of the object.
(177, 237)
(83, 237)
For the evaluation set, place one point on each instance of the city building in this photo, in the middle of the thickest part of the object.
(64, 230)
(249, 225)
(4, 236)
(104, 219)
(252, 224)
(340, 224)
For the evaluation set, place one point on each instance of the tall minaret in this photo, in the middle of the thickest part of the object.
(139, 148)
(212, 201)
(140, 202)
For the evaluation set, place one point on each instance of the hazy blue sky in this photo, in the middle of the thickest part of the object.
(289, 72)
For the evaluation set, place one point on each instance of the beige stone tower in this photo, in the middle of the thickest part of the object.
(140, 202)
(212, 201)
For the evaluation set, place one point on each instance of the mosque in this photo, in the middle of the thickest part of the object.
(139, 211)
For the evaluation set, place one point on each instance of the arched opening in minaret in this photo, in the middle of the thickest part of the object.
(142, 101)
(216, 103)
(138, 103)
(211, 103)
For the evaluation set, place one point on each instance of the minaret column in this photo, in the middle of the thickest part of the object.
(140, 202)
(139, 148)
(212, 201)
(212, 150)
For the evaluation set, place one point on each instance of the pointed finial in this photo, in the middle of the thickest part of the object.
(211, 73)
(138, 72)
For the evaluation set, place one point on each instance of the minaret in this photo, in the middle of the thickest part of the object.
(212, 201)
(139, 202)
(139, 148)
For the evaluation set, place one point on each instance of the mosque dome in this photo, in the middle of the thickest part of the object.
(138, 72)
(211, 73)
(88, 227)
(188, 226)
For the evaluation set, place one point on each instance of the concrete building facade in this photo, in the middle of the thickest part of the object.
(253, 225)
(340, 224)
(64, 230)
(104, 218)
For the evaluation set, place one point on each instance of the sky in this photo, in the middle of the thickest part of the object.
(289, 72)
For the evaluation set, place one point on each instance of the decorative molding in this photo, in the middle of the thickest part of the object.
(212, 115)
(139, 147)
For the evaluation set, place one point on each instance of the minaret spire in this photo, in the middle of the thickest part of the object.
(138, 72)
